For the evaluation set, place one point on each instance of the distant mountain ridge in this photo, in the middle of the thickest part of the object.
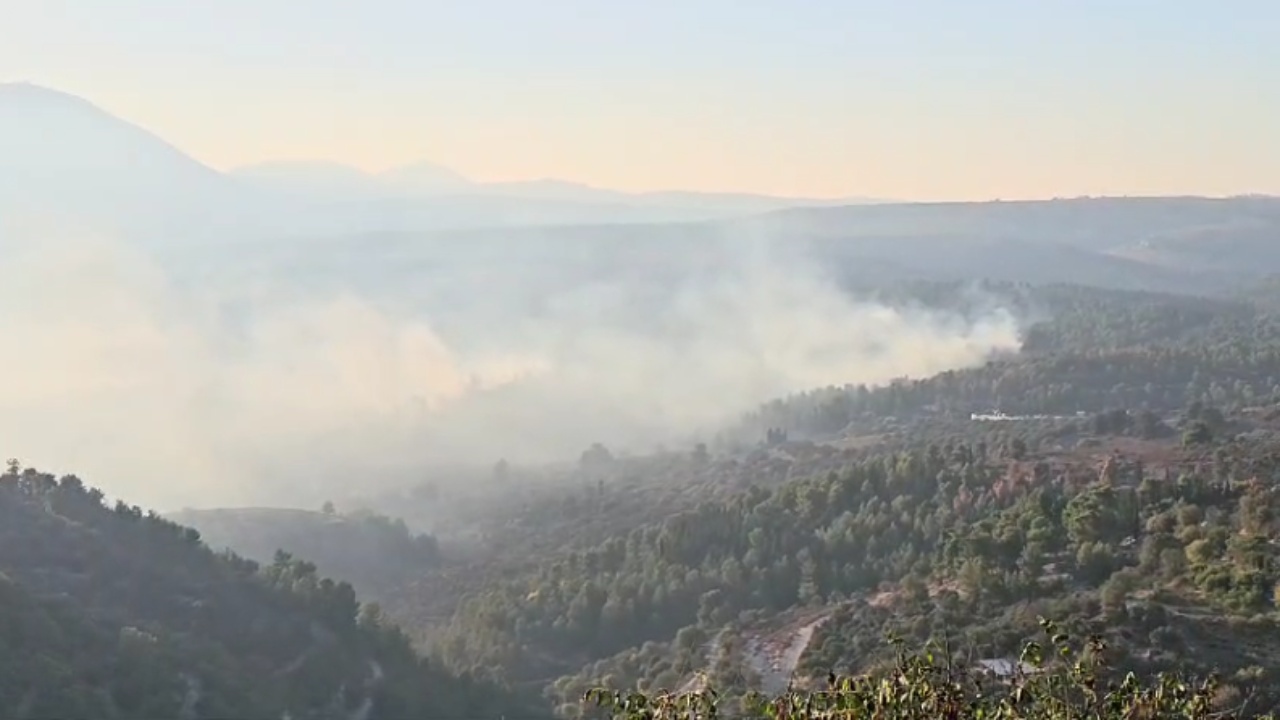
(428, 179)
(62, 159)
(62, 156)
(65, 159)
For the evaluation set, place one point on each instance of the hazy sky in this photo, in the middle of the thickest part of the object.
(914, 99)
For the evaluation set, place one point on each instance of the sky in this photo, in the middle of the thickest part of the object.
(912, 99)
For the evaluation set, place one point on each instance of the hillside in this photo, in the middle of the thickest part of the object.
(1158, 545)
(64, 160)
(830, 520)
(1118, 475)
(1180, 244)
(1091, 223)
(113, 613)
(1081, 242)
(371, 551)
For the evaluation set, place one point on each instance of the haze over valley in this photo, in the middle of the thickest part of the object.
(493, 364)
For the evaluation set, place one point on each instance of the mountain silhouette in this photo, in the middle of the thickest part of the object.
(64, 158)
(68, 163)
(309, 178)
(426, 178)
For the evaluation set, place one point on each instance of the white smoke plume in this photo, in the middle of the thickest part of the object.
(187, 394)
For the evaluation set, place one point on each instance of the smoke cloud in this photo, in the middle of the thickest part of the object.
(177, 394)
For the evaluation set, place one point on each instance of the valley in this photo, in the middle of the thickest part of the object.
(1127, 490)
(404, 444)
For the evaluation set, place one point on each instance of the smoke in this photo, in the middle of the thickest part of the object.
(171, 395)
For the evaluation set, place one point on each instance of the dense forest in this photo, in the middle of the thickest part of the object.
(1161, 546)
(110, 612)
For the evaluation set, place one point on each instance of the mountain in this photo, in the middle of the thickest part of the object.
(424, 178)
(437, 185)
(115, 613)
(67, 163)
(321, 180)
(334, 182)
(328, 180)
(722, 204)
(62, 157)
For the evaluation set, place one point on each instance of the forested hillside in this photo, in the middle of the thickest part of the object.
(1128, 492)
(1094, 350)
(1163, 548)
(116, 613)
(1117, 475)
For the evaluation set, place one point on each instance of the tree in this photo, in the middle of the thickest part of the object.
(1116, 591)
(1197, 433)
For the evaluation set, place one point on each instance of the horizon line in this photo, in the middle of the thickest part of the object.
(852, 199)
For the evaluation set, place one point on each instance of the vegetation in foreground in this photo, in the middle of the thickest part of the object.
(1053, 681)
